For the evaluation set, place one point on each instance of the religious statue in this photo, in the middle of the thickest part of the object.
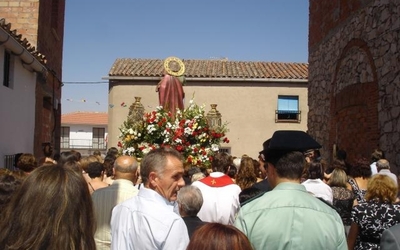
(170, 88)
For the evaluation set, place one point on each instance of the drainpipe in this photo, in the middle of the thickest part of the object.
(28, 60)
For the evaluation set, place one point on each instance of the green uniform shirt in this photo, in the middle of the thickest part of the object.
(290, 218)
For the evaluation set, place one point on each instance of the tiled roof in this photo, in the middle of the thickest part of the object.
(85, 118)
(24, 42)
(132, 67)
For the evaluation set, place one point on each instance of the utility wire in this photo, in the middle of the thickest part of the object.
(94, 82)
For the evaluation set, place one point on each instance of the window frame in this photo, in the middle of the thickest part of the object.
(290, 114)
(65, 137)
(98, 138)
(8, 69)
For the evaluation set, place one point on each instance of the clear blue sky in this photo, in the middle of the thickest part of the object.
(98, 32)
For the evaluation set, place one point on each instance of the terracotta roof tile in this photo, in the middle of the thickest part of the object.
(212, 68)
(85, 118)
(23, 41)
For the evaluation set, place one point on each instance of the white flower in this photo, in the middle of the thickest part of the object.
(214, 147)
(188, 131)
(177, 140)
(150, 128)
(131, 131)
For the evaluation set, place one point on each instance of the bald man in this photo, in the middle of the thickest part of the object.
(105, 199)
(383, 167)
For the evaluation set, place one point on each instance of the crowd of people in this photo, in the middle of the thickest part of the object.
(288, 198)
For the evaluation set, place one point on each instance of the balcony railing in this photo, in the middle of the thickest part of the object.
(288, 116)
(83, 143)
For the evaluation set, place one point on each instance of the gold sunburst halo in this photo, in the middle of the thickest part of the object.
(177, 60)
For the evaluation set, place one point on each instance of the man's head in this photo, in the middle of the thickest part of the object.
(125, 167)
(382, 164)
(377, 155)
(190, 200)
(221, 162)
(261, 159)
(284, 155)
(162, 170)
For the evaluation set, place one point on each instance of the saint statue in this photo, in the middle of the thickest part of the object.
(170, 88)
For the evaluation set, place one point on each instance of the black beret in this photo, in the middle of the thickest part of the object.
(289, 140)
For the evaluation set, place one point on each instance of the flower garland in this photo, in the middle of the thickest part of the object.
(188, 132)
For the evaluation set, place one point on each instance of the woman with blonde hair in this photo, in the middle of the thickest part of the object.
(371, 218)
(343, 198)
(246, 177)
(52, 209)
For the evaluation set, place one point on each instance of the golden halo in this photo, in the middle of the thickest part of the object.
(169, 70)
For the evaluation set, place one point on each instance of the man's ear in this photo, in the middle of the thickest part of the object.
(153, 179)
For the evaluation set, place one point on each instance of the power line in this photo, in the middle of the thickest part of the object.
(94, 82)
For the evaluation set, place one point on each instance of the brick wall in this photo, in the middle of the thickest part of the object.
(41, 22)
(354, 77)
(23, 16)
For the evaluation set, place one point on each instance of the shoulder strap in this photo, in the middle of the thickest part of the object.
(91, 186)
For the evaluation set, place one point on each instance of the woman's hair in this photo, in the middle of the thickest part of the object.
(197, 176)
(95, 169)
(232, 171)
(85, 161)
(382, 188)
(257, 171)
(337, 163)
(112, 151)
(315, 170)
(246, 177)
(52, 209)
(109, 164)
(216, 236)
(8, 184)
(27, 162)
(338, 178)
(67, 156)
(361, 168)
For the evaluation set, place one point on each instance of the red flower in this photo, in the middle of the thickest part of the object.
(120, 144)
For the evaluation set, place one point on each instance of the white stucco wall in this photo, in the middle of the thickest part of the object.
(17, 110)
(82, 135)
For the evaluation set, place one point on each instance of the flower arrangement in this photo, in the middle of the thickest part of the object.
(188, 132)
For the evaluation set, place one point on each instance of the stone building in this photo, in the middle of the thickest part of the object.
(41, 23)
(354, 76)
(255, 98)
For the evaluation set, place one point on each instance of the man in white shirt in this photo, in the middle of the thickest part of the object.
(384, 168)
(151, 219)
(105, 199)
(220, 194)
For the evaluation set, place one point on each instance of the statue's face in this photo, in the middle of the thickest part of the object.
(174, 66)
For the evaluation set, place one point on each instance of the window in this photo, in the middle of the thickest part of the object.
(64, 140)
(225, 150)
(288, 109)
(8, 69)
(98, 138)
